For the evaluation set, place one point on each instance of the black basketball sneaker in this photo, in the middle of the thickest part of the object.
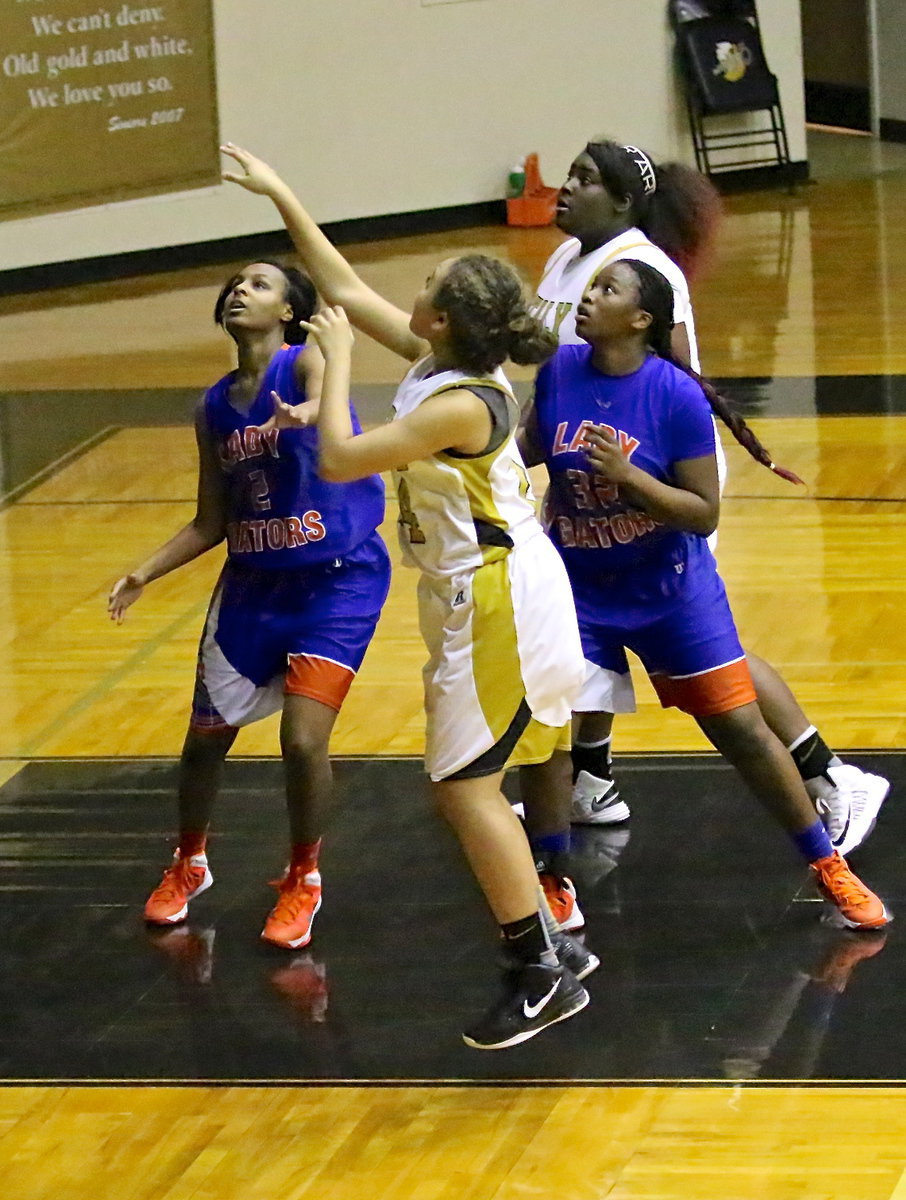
(575, 956)
(534, 997)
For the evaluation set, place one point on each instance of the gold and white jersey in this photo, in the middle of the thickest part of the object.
(568, 273)
(459, 512)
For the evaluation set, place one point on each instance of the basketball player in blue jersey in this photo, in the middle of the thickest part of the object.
(495, 610)
(297, 601)
(628, 440)
(617, 203)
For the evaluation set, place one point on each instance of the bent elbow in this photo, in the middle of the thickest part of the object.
(708, 525)
(333, 471)
(330, 474)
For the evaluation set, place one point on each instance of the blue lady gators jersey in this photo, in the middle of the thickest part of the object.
(660, 417)
(280, 512)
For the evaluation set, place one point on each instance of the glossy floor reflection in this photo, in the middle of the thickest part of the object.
(715, 963)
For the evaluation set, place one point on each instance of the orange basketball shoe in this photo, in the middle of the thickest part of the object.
(290, 921)
(856, 906)
(561, 899)
(185, 879)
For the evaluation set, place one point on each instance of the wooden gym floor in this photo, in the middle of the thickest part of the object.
(733, 1048)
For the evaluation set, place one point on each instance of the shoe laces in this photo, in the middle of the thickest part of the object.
(847, 888)
(293, 897)
(177, 879)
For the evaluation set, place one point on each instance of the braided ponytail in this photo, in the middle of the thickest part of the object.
(656, 298)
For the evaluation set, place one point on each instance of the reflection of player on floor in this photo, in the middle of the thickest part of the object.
(303, 981)
(783, 1032)
(298, 599)
(616, 204)
(628, 440)
(494, 602)
(191, 951)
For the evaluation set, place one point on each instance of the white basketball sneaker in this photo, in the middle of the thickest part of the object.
(597, 801)
(848, 804)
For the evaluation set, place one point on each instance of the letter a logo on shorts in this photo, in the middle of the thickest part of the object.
(460, 599)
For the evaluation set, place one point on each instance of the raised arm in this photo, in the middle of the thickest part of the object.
(331, 274)
(205, 530)
(456, 420)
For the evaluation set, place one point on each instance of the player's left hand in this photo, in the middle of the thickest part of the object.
(606, 456)
(331, 330)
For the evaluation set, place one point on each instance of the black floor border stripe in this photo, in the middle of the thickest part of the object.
(464, 1082)
(52, 468)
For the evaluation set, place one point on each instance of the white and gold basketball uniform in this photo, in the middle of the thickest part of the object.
(495, 607)
(568, 273)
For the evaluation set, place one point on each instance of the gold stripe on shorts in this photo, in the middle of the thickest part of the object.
(495, 654)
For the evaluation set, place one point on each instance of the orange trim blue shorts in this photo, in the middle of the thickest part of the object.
(690, 647)
(300, 632)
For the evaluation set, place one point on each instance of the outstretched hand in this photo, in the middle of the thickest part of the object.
(123, 593)
(331, 330)
(256, 175)
(291, 416)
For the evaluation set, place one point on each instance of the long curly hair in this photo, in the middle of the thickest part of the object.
(489, 320)
(681, 214)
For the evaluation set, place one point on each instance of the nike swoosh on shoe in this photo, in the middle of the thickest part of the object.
(841, 836)
(604, 800)
(530, 1011)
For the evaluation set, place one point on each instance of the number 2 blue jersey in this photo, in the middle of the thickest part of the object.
(660, 416)
(280, 512)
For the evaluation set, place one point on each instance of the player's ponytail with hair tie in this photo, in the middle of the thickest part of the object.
(529, 342)
(676, 206)
(521, 323)
(790, 476)
(656, 299)
(489, 320)
(737, 426)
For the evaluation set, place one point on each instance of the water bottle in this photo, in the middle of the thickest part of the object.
(515, 183)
